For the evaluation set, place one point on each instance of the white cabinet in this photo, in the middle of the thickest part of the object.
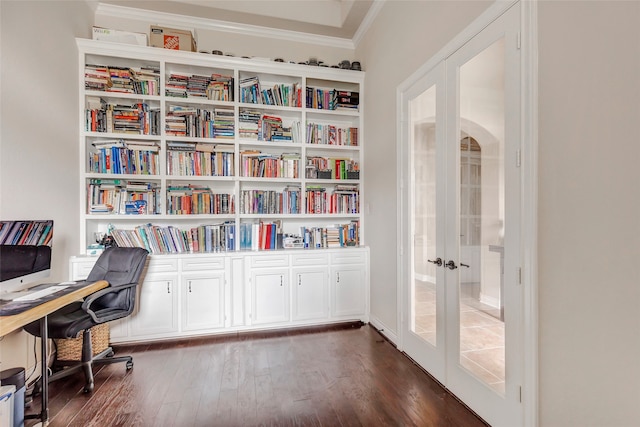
(270, 296)
(157, 308)
(310, 286)
(203, 283)
(203, 300)
(349, 284)
(199, 294)
(310, 293)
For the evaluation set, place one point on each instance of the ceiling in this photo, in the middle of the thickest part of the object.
(330, 18)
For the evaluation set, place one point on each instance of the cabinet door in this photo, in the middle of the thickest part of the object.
(203, 296)
(348, 286)
(310, 291)
(157, 306)
(119, 330)
(270, 295)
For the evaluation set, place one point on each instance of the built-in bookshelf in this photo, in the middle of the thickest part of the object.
(188, 152)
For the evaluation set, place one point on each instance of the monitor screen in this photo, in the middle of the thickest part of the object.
(25, 253)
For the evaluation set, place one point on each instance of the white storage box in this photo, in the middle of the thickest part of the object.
(118, 36)
(6, 404)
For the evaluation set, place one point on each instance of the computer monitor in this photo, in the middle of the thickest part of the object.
(25, 253)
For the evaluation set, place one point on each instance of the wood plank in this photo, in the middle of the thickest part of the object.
(349, 377)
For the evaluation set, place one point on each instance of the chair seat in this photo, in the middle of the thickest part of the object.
(68, 322)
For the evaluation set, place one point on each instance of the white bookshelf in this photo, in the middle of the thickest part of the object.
(234, 184)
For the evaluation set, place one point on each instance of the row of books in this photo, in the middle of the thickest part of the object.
(261, 235)
(115, 196)
(195, 200)
(261, 127)
(285, 95)
(271, 202)
(125, 157)
(37, 233)
(331, 135)
(254, 163)
(137, 118)
(268, 235)
(194, 159)
(338, 168)
(199, 122)
(336, 236)
(331, 99)
(341, 201)
(110, 78)
(172, 240)
(216, 87)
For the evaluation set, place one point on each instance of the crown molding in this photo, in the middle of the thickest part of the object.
(194, 22)
(368, 21)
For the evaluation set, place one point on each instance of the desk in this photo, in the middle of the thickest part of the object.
(14, 322)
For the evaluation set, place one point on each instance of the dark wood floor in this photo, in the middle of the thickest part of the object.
(336, 377)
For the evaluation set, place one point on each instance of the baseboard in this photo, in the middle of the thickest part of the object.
(381, 327)
(490, 301)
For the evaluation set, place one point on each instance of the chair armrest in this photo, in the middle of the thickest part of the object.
(86, 305)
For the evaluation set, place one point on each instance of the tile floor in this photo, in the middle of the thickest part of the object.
(481, 335)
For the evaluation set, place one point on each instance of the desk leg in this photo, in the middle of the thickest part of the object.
(44, 347)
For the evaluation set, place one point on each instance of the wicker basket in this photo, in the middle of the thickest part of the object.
(71, 349)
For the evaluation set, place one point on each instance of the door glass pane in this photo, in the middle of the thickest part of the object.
(481, 139)
(423, 200)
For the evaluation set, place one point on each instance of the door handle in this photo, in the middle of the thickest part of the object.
(464, 265)
(451, 265)
(437, 261)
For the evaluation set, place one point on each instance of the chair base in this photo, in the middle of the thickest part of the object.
(64, 368)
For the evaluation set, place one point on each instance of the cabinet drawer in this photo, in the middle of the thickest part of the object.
(348, 257)
(160, 264)
(309, 258)
(202, 263)
(270, 261)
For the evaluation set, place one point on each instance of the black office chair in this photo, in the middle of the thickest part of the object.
(121, 267)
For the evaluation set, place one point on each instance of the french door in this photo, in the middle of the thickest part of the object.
(462, 303)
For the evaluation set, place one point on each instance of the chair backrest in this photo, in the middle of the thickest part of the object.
(119, 267)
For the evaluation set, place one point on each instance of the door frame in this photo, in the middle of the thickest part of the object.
(529, 188)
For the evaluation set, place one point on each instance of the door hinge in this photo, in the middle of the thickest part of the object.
(520, 275)
(520, 394)
(518, 158)
(518, 40)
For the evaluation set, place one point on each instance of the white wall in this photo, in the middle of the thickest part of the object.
(589, 207)
(404, 36)
(39, 129)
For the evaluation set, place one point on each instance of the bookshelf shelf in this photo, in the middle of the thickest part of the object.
(256, 125)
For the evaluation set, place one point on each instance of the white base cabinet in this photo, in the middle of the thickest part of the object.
(156, 312)
(204, 294)
(270, 296)
(203, 301)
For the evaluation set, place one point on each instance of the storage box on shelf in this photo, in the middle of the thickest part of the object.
(198, 155)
